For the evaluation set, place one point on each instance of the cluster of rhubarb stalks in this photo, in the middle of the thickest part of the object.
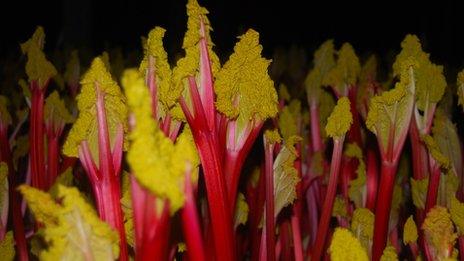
(200, 160)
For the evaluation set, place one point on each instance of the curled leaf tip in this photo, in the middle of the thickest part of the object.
(340, 120)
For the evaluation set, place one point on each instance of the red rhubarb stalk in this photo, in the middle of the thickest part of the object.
(191, 223)
(383, 206)
(269, 215)
(329, 200)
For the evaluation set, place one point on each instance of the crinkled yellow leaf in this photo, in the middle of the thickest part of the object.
(7, 248)
(73, 69)
(56, 111)
(419, 192)
(157, 163)
(362, 226)
(86, 126)
(243, 86)
(79, 234)
(5, 117)
(289, 119)
(272, 136)
(346, 247)
(389, 254)
(439, 232)
(25, 88)
(410, 231)
(346, 72)
(457, 214)
(156, 59)
(324, 61)
(41, 204)
(391, 111)
(410, 49)
(241, 211)
(38, 68)
(340, 119)
(430, 82)
(285, 175)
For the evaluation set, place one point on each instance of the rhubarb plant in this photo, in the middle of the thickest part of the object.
(389, 118)
(246, 97)
(98, 138)
(160, 170)
(338, 124)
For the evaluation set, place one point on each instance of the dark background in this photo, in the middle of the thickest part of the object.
(378, 26)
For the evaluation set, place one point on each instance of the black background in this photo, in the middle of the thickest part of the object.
(377, 26)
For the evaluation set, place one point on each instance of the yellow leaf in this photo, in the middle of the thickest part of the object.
(56, 111)
(241, 211)
(38, 68)
(289, 119)
(419, 192)
(362, 226)
(410, 231)
(346, 247)
(439, 232)
(73, 69)
(243, 86)
(389, 254)
(86, 126)
(346, 71)
(340, 119)
(7, 247)
(285, 175)
(457, 214)
(157, 163)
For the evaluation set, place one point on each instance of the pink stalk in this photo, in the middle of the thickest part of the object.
(270, 220)
(433, 186)
(36, 135)
(14, 196)
(236, 154)
(105, 179)
(372, 173)
(191, 223)
(329, 199)
(202, 120)
(382, 210)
